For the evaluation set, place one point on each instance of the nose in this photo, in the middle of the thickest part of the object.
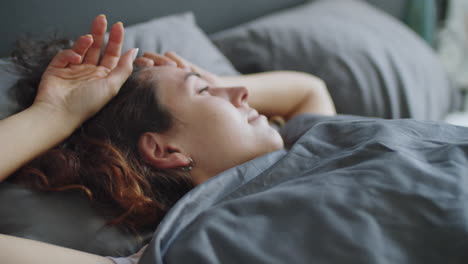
(237, 95)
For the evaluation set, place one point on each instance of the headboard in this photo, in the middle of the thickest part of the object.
(72, 18)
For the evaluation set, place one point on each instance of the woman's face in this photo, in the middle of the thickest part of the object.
(214, 125)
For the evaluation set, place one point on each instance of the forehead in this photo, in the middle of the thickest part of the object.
(165, 74)
(169, 81)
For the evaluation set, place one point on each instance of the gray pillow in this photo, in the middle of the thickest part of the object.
(372, 64)
(67, 219)
(178, 33)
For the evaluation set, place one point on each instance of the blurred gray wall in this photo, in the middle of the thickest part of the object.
(72, 18)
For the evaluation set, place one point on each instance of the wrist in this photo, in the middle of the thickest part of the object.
(60, 119)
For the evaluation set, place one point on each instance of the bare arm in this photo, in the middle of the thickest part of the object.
(14, 250)
(73, 88)
(75, 85)
(28, 134)
(285, 93)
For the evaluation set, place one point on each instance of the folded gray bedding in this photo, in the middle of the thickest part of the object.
(348, 190)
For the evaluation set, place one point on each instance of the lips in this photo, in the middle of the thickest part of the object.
(253, 115)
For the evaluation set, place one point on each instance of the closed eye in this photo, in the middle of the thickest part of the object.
(203, 89)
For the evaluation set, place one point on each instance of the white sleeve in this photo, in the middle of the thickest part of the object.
(132, 259)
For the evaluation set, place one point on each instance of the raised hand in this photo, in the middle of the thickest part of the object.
(172, 59)
(78, 82)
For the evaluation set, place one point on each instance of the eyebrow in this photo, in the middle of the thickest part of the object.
(190, 74)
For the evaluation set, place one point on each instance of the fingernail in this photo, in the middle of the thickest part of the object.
(135, 53)
(119, 23)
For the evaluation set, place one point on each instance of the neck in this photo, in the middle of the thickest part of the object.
(199, 175)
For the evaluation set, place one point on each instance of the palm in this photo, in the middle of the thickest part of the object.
(78, 82)
(78, 89)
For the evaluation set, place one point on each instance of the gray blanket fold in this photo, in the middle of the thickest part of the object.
(349, 190)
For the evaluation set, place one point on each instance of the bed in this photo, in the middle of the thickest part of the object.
(375, 67)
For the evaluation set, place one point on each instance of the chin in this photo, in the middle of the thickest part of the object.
(279, 144)
(276, 142)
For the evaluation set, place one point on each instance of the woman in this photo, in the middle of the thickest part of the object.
(178, 126)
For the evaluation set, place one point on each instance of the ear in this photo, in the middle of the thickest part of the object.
(156, 151)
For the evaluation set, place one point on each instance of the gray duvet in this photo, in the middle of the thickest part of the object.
(349, 190)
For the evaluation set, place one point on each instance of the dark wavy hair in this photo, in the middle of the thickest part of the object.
(101, 157)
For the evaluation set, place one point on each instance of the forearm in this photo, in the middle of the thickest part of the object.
(29, 133)
(284, 93)
(14, 250)
(316, 101)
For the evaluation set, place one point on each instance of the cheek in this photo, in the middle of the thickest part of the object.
(218, 125)
(217, 113)
(222, 125)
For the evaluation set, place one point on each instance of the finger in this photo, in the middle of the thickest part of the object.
(122, 71)
(82, 45)
(114, 46)
(181, 63)
(98, 31)
(73, 55)
(144, 62)
(160, 60)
